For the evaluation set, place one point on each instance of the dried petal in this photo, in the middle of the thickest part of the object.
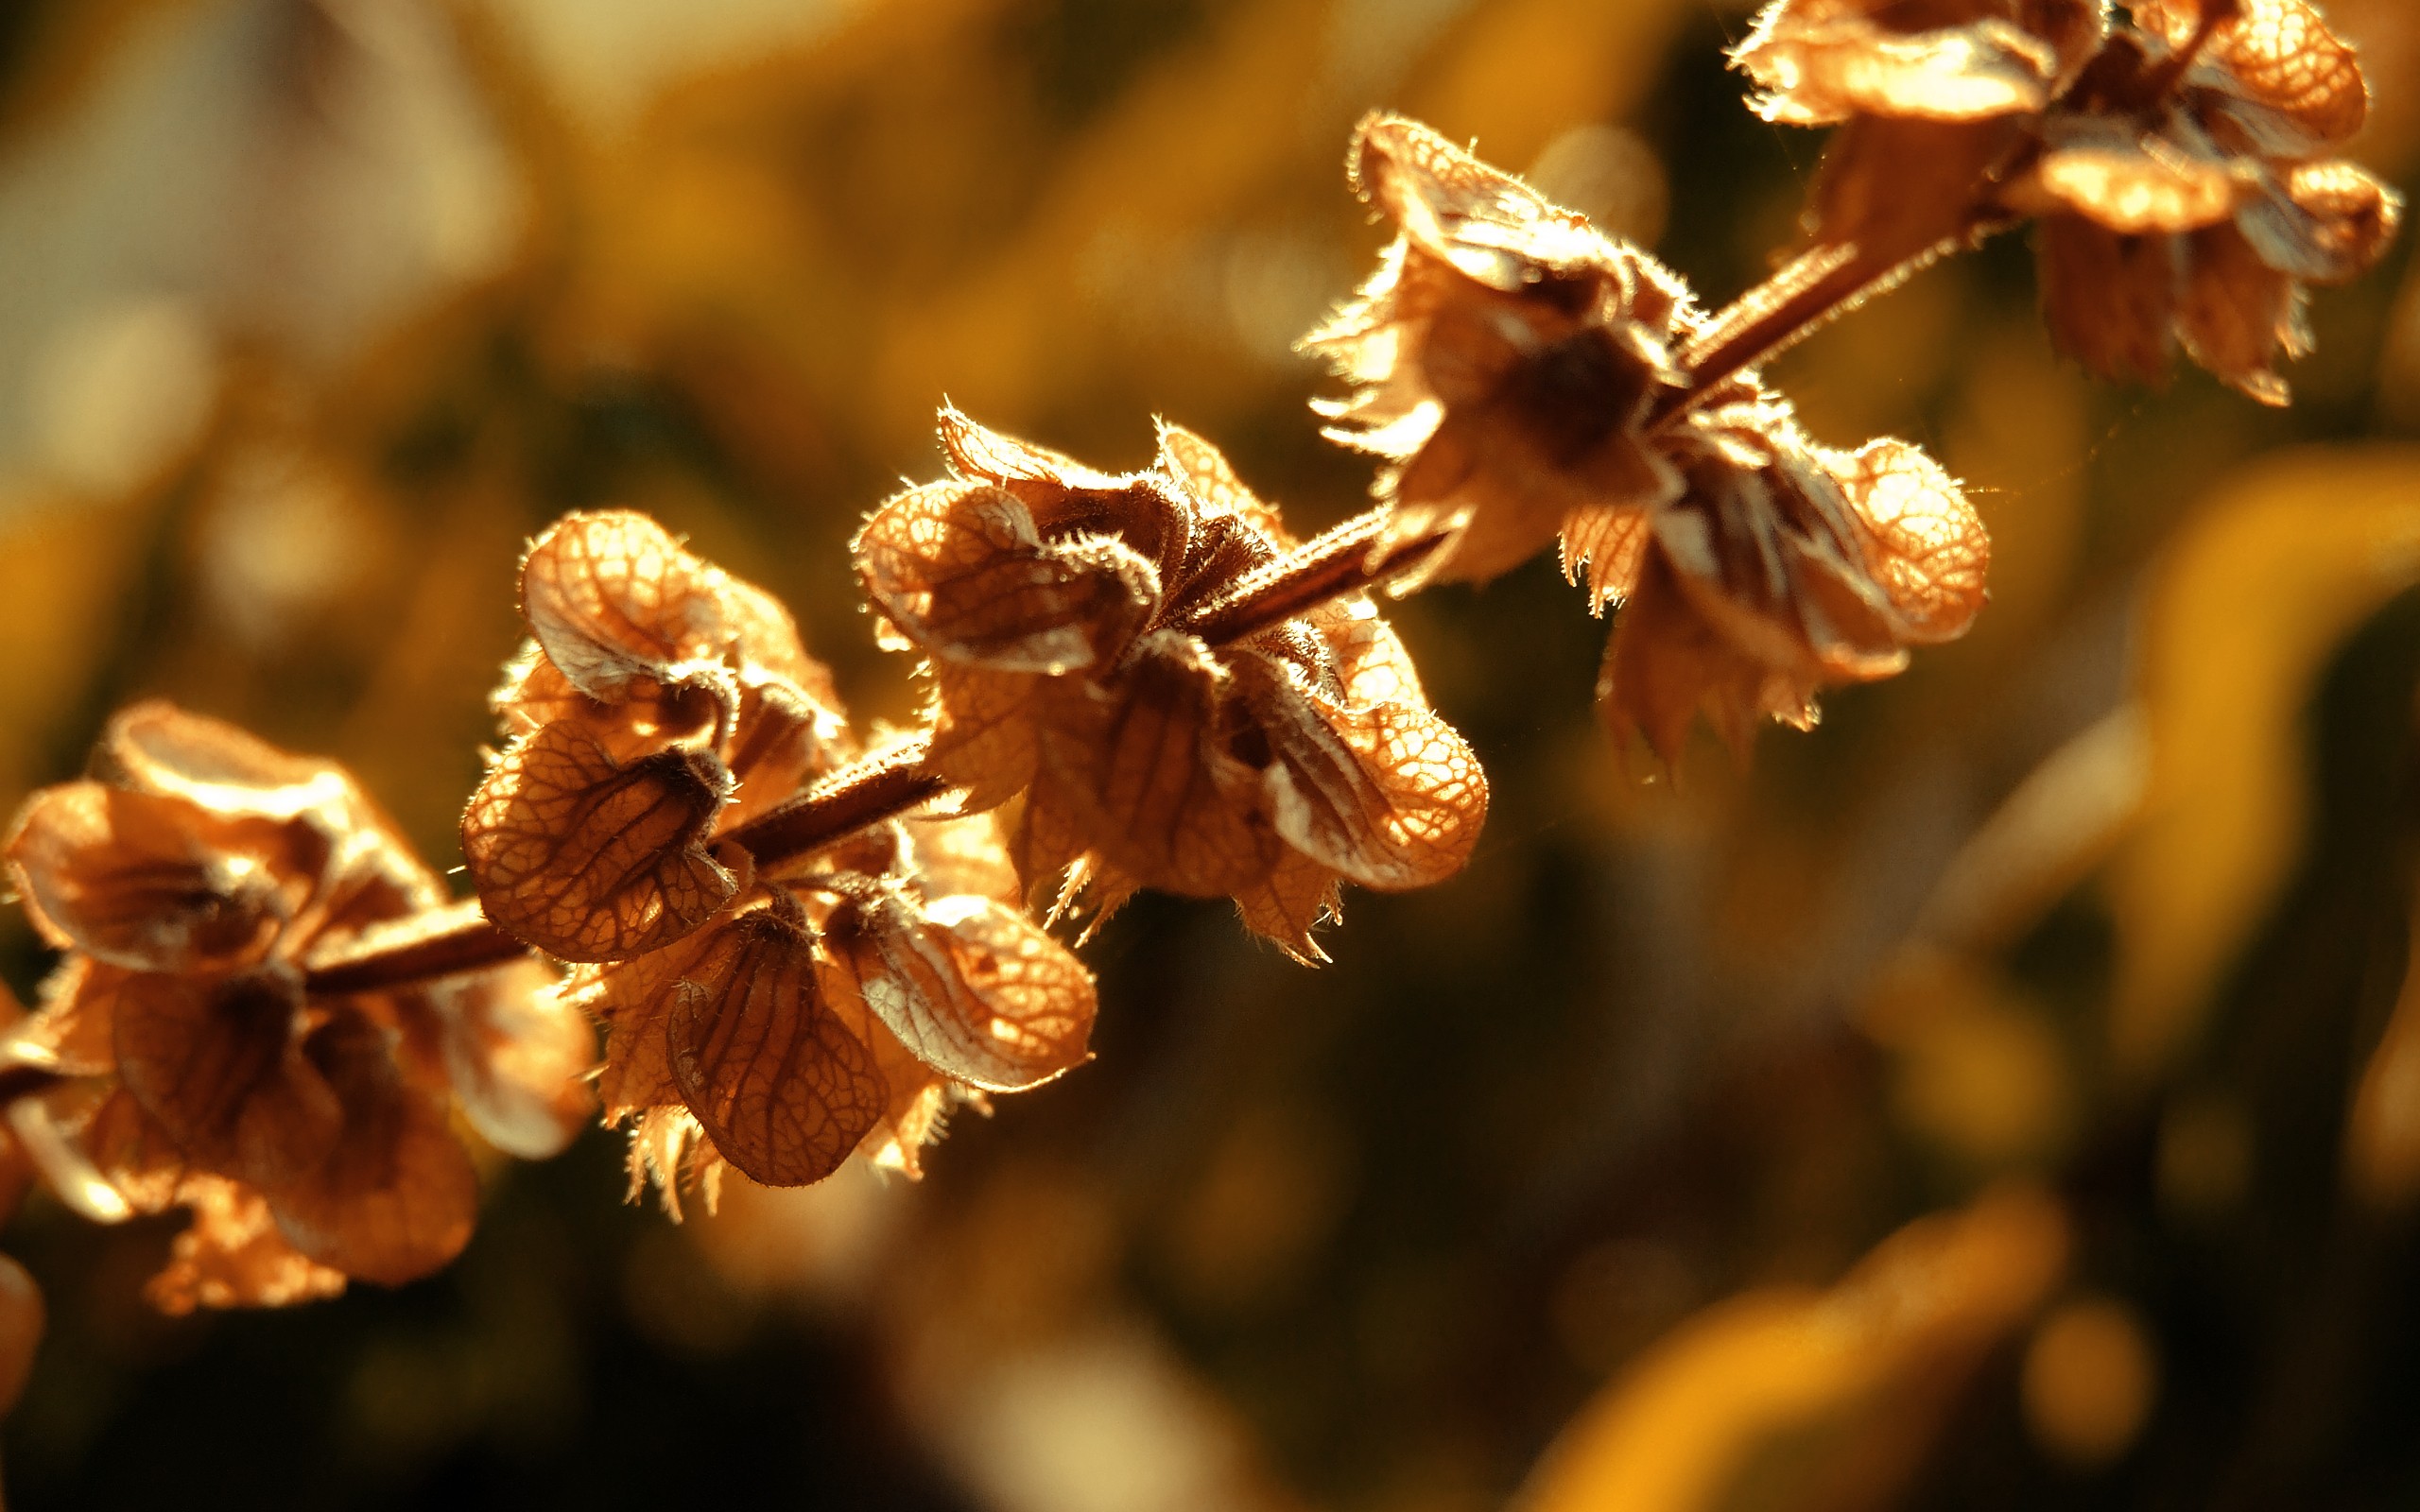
(2237, 314)
(1285, 905)
(970, 987)
(1132, 760)
(616, 603)
(394, 1196)
(964, 572)
(1507, 356)
(1609, 543)
(2107, 170)
(518, 1055)
(967, 857)
(2327, 223)
(220, 1066)
(2278, 53)
(1927, 549)
(232, 1255)
(1201, 469)
(145, 882)
(592, 858)
(2109, 300)
(74, 1034)
(781, 740)
(983, 736)
(777, 1081)
(1386, 794)
(1821, 63)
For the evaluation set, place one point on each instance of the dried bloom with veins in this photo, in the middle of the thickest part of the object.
(841, 1006)
(1935, 100)
(771, 1013)
(1822, 62)
(198, 880)
(1093, 652)
(2186, 197)
(1783, 567)
(660, 703)
(1755, 567)
(1506, 356)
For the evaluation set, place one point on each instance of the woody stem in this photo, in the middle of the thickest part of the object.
(472, 944)
(855, 797)
(851, 800)
(1326, 567)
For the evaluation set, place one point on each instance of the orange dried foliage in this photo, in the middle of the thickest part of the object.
(1822, 62)
(1506, 354)
(659, 703)
(775, 1018)
(1053, 605)
(1783, 567)
(842, 1009)
(193, 881)
(2186, 195)
(2177, 163)
(1755, 567)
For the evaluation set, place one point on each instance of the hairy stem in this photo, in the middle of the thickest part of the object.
(845, 802)
(1326, 567)
(468, 944)
(853, 798)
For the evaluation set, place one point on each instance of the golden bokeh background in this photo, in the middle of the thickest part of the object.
(2007, 1095)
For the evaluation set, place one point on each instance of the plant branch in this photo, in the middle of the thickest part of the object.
(1325, 567)
(468, 944)
(853, 798)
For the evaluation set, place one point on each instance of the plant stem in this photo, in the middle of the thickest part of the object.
(845, 802)
(470, 944)
(853, 798)
(1325, 567)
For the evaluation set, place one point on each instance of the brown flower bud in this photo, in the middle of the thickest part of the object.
(838, 1009)
(1822, 62)
(1505, 356)
(2180, 201)
(1262, 768)
(660, 703)
(1784, 568)
(195, 884)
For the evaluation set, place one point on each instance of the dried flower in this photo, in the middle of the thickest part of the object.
(195, 880)
(1055, 606)
(1822, 62)
(775, 1016)
(1506, 354)
(660, 702)
(842, 1009)
(2184, 198)
(1755, 567)
(1936, 102)
(1783, 567)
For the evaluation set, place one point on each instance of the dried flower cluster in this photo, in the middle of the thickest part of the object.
(269, 1015)
(195, 880)
(1510, 363)
(1058, 609)
(790, 1009)
(2179, 164)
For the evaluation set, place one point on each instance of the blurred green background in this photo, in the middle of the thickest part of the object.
(2089, 932)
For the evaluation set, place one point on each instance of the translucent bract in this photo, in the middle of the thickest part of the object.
(1054, 604)
(776, 1017)
(1825, 62)
(660, 702)
(842, 1009)
(1783, 567)
(194, 881)
(2186, 198)
(1505, 355)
